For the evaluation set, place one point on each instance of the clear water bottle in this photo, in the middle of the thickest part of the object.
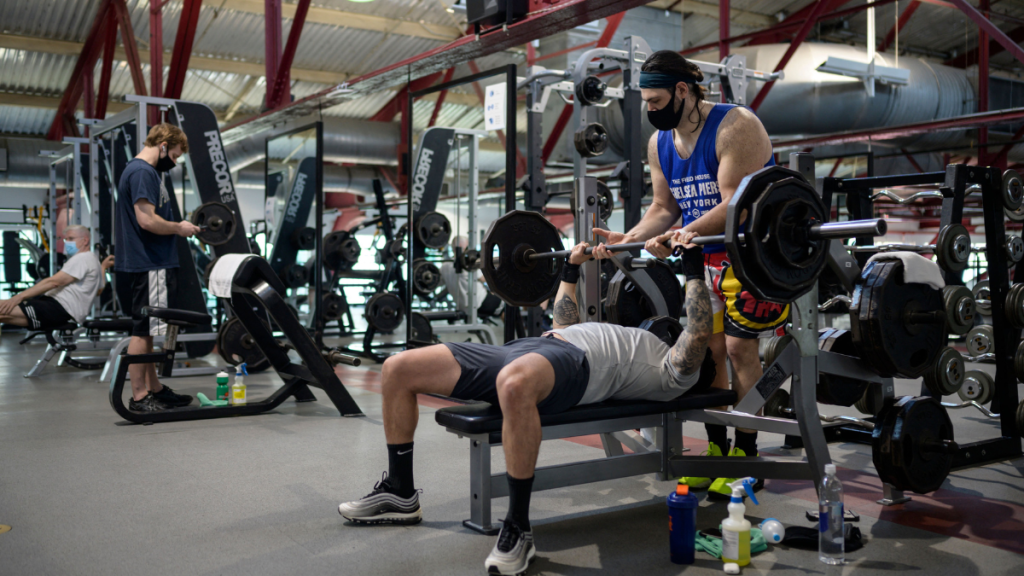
(830, 518)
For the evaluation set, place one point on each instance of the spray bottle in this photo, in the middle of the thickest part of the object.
(736, 528)
(238, 388)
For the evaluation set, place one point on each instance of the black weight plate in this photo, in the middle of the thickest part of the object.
(304, 238)
(1013, 190)
(591, 140)
(384, 311)
(978, 387)
(509, 275)
(775, 404)
(471, 259)
(340, 251)
(947, 375)
(426, 277)
(295, 275)
(627, 305)
(759, 261)
(1014, 248)
(433, 230)
(236, 346)
(665, 328)
(218, 222)
(590, 91)
(421, 329)
(960, 309)
(334, 306)
(774, 347)
(905, 449)
(1020, 418)
(835, 389)
(887, 344)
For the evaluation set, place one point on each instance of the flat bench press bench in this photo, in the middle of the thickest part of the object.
(481, 423)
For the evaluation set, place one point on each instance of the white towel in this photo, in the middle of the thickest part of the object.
(916, 268)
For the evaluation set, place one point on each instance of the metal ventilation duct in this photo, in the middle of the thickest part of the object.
(355, 180)
(25, 167)
(345, 141)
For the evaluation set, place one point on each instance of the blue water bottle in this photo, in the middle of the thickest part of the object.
(682, 524)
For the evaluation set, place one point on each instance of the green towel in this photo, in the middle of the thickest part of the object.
(204, 401)
(713, 544)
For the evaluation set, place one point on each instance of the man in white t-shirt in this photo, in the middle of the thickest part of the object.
(67, 295)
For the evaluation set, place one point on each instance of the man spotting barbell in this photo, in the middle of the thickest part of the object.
(576, 363)
(698, 157)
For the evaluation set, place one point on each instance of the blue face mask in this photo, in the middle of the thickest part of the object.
(70, 249)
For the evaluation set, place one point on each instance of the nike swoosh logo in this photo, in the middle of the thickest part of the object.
(404, 453)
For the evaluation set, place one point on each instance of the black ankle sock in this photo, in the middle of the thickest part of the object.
(716, 435)
(400, 469)
(747, 441)
(519, 501)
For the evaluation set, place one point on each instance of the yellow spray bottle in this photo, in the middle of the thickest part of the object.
(736, 528)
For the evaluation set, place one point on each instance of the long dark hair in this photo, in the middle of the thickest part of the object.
(669, 62)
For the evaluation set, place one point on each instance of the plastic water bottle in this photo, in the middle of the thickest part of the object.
(773, 530)
(831, 540)
(682, 525)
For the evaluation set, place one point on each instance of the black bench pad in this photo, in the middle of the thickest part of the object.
(110, 324)
(482, 418)
(177, 317)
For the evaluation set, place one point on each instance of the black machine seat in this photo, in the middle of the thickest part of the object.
(176, 317)
(110, 324)
(483, 418)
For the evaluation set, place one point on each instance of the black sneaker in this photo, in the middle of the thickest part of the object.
(513, 552)
(383, 506)
(147, 404)
(172, 400)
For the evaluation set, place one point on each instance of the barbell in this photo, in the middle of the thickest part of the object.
(775, 233)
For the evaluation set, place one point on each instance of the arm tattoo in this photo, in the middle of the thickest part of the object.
(567, 312)
(688, 353)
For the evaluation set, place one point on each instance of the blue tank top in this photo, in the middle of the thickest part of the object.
(694, 181)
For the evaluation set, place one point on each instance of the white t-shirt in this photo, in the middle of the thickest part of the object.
(626, 363)
(77, 297)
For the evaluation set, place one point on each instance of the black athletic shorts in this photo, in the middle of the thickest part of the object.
(156, 288)
(44, 313)
(481, 363)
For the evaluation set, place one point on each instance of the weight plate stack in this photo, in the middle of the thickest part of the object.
(978, 387)
(953, 247)
(982, 298)
(980, 340)
(426, 277)
(775, 261)
(1015, 305)
(340, 251)
(774, 346)
(1020, 418)
(947, 376)
(889, 345)
(912, 444)
(960, 309)
(1018, 362)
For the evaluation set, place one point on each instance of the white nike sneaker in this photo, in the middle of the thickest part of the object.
(513, 552)
(382, 506)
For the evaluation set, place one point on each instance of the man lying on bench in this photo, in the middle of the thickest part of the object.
(576, 363)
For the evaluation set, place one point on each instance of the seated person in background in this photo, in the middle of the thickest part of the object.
(576, 363)
(457, 284)
(67, 295)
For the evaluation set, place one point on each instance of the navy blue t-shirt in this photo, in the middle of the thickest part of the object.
(139, 250)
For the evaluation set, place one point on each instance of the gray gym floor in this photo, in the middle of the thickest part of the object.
(85, 493)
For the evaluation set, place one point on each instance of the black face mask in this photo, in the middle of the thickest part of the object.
(165, 163)
(666, 118)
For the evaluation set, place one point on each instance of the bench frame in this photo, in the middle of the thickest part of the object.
(647, 458)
